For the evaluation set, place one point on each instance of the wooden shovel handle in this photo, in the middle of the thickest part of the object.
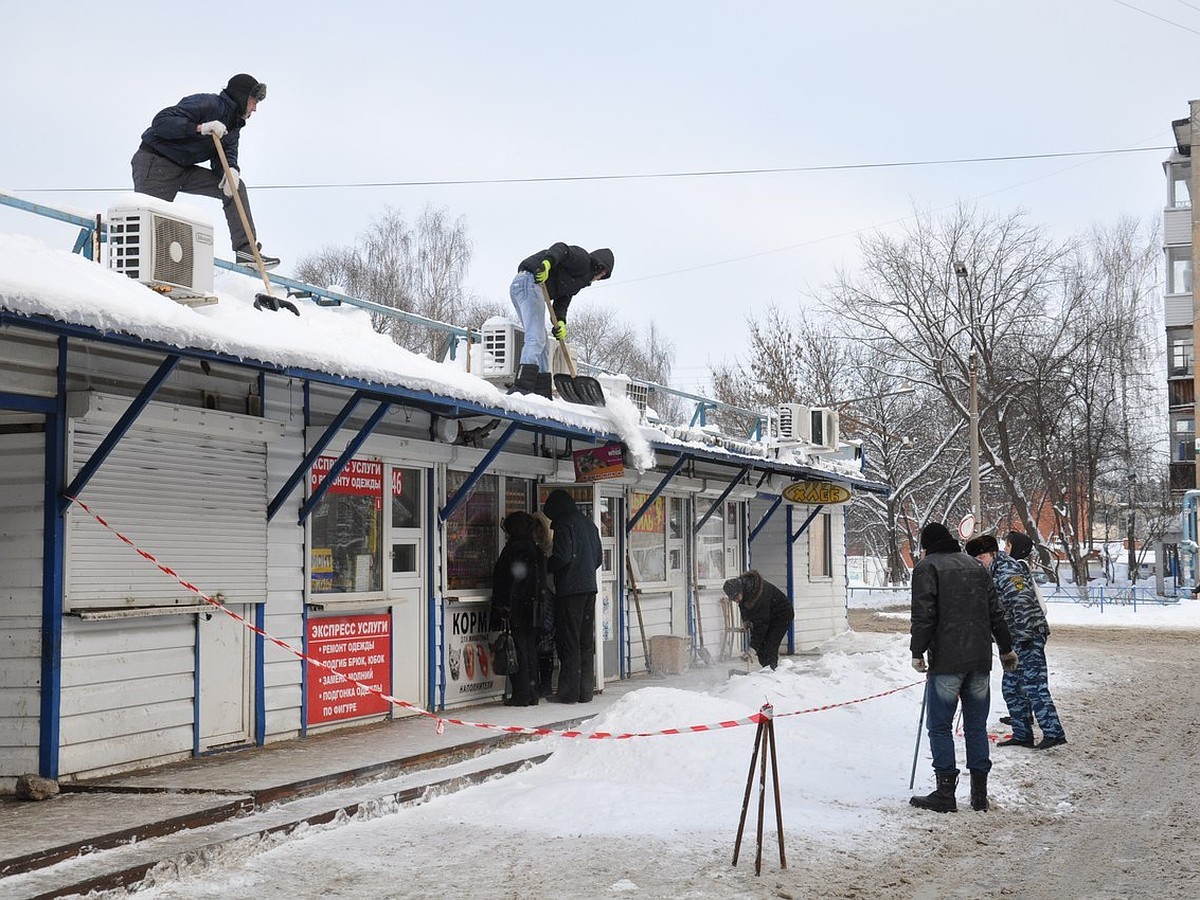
(553, 325)
(237, 201)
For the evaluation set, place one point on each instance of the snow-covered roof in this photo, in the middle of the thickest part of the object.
(45, 283)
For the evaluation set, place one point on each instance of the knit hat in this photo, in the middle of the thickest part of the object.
(242, 87)
(936, 538)
(733, 587)
(1021, 545)
(983, 543)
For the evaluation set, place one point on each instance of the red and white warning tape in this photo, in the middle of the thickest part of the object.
(765, 713)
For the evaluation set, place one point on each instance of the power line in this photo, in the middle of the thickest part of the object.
(1146, 12)
(711, 173)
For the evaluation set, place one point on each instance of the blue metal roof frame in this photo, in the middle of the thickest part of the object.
(444, 405)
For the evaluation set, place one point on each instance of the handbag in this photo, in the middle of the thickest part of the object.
(504, 654)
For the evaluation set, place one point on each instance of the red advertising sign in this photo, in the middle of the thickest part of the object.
(359, 647)
(363, 477)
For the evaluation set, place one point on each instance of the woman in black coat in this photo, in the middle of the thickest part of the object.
(518, 583)
(766, 609)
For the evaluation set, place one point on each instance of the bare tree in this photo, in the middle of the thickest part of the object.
(418, 269)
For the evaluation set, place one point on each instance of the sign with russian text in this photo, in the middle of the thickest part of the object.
(825, 493)
(469, 653)
(598, 463)
(359, 647)
(361, 477)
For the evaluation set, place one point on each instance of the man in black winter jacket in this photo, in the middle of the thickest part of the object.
(766, 609)
(180, 138)
(563, 270)
(573, 562)
(955, 616)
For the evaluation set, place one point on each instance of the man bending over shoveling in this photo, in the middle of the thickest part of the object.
(563, 271)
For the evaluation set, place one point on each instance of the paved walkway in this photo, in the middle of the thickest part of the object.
(111, 831)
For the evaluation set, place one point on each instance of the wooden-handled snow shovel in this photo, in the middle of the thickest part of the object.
(575, 388)
(261, 301)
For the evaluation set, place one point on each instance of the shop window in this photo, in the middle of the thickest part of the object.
(820, 546)
(347, 526)
(473, 533)
(710, 547)
(648, 540)
(406, 521)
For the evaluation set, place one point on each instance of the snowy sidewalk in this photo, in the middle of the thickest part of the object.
(108, 832)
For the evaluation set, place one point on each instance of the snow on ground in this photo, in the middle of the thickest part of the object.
(656, 816)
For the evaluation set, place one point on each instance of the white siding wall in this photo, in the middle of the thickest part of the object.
(284, 402)
(127, 692)
(1177, 226)
(21, 491)
(820, 603)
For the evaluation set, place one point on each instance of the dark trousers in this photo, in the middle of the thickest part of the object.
(574, 636)
(159, 177)
(765, 642)
(525, 681)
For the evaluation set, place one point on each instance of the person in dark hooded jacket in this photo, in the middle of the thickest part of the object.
(955, 617)
(180, 138)
(573, 562)
(563, 270)
(518, 580)
(766, 609)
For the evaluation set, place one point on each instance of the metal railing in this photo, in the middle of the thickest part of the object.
(93, 231)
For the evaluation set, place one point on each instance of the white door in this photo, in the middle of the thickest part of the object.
(406, 584)
(225, 659)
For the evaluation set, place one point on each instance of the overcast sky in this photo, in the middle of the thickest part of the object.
(406, 91)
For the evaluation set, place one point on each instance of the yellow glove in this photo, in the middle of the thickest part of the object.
(560, 330)
(543, 273)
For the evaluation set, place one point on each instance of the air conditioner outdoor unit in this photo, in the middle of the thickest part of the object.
(794, 422)
(501, 343)
(616, 385)
(823, 430)
(169, 252)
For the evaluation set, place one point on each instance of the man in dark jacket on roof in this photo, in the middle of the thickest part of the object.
(562, 271)
(766, 609)
(180, 138)
(955, 616)
(573, 562)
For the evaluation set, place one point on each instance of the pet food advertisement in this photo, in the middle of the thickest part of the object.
(468, 653)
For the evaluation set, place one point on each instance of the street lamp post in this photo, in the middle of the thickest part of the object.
(961, 273)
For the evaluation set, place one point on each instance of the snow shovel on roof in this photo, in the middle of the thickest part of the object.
(574, 388)
(261, 301)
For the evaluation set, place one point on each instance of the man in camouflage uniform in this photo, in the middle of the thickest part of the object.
(1027, 690)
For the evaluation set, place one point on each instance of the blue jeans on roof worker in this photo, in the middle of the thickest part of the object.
(528, 301)
(942, 693)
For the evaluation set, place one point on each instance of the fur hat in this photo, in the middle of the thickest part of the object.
(936, 538)
(733, 587)
(1021, 545)
(242, 87)
(983, 543)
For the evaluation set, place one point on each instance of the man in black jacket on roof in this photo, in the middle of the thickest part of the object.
(563, 271)
(180, 138)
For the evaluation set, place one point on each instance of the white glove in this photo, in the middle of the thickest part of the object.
(230, 184)
(213, 127)
(918, 663)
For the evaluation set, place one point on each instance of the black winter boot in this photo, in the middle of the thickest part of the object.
(526, 382)
(544, 386)
(942, 799)
(979, 800)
